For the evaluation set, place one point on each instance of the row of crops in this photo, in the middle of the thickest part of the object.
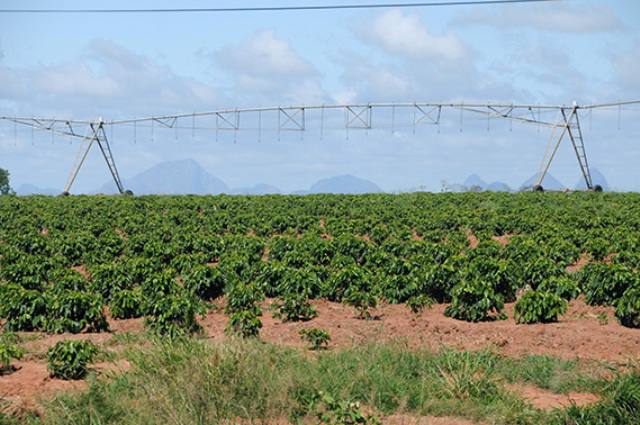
(63, 261)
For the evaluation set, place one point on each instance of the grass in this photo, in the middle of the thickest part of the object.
(194, 381)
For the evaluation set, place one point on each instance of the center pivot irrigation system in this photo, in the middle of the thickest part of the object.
(356, 117)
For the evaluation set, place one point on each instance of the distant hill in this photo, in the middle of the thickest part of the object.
(172, 178)
(597, 178)
(259, 189)
(345, 184)
(498, 187)
(549, 183)
(474, 181)
(29, 189)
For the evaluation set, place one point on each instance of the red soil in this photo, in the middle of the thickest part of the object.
(580, 333)
(546, 400)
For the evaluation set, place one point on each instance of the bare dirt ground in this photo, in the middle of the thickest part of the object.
(584, 332)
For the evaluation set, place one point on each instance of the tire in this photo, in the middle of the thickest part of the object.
(538, 188)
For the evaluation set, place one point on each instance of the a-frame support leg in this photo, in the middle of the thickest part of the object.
(99, 136)
(570, 126)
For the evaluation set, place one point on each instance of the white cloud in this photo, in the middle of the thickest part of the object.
(107, 80)
(267, 68)
(577, 18)
(264, 54)
(405, 35)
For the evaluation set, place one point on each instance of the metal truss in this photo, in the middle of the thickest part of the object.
(357, 116)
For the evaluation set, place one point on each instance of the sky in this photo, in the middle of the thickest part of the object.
(124, 66)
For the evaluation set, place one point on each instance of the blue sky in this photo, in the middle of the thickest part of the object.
(118, 66)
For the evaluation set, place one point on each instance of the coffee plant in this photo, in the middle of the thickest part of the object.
(475, 301)
(539, 307)
(317, 338)
(68, 359)
(628, 307)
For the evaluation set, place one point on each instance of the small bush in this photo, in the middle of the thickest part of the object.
(628, 308)
(245, 324)
(294, 308)
(318, 339)
(68, 359)
(329, 410)
(173, 315)
(362, 301)
(8, 351)
(126, 304)
(417, 303)
(539, 307)
(475, 301)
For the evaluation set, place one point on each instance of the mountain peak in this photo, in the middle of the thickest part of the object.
(346, 184)
(177, 177)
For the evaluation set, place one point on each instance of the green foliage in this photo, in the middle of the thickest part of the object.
(539, 307)
(418, 303)
(604, 284)
(5, 188)
(205, 282)
(75, 312)
(294, 308)
(127, 304)
(9, 351)
(620, 405)
(244, 323)
(68, 359)
(317, 338)
(173, 315)
(362, 301)
(628, 307)
(563, 286)
(23, 309)
(329, 410)
(475, 301)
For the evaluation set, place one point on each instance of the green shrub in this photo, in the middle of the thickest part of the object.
(9, 351)
(539, 307)
(243, 297)
(245, 323)
(563, 286)
(294, 308)
(317, 338)
(23, 309)
(418, 303)
(362, 301)
(126, 304)
(475, 301)
(603, 284)
(173, 315)
(329, 410)
(205, 282)
(68, 359)
(628, 308)
(75, 312)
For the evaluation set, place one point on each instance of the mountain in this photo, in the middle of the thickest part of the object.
(498, 187)
(29, 189)
(259, 189)
(474, 181)
(172, 178)
(597, 178)
(346, 184)
(549, 183)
